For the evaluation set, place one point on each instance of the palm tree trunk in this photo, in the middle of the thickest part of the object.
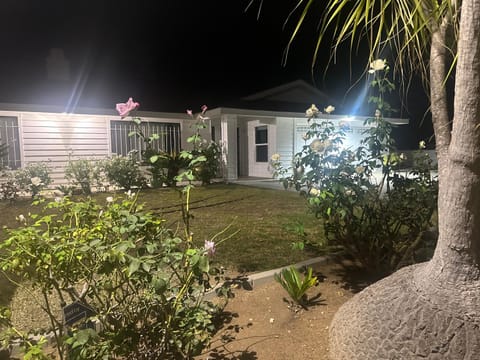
(457, 256)
(432, 310)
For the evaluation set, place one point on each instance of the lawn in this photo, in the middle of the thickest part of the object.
(259, 219)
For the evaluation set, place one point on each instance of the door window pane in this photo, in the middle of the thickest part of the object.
(262, 153)
(261, 135)
(261, 144)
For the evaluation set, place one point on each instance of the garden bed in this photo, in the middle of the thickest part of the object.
(260, 323)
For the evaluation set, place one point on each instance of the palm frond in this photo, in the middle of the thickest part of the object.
(405, 26)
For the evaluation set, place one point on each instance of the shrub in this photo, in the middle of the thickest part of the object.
(33, 178)
(66, 190)
(143, 283)
(124, 171)
(376, 212)
(84, 173)
(165, 168)
(202, 163)
(9, 188)
(208, 170)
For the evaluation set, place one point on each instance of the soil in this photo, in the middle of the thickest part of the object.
(262, 323)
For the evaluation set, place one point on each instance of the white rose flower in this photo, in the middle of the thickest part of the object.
(360, 169)
(312, 111)
(36, 181)
(317, 145)
(422, 145)
(275, 157)
(349, 192)
(314, 192)
(329, 109)
(21, 218)
(377, 65)
(109, 199)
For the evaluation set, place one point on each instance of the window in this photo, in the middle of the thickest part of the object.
(122, 144)
(261, 144)
(9, 136)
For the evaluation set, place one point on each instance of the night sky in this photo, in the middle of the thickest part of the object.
(167, 54)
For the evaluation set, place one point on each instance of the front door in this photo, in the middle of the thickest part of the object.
(260, 141)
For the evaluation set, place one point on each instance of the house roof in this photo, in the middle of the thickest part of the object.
(294, 96)
(294, 91)
(54, 109)
(217, 112)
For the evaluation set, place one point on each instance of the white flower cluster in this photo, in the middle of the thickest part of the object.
(312, 111)
(319, 146)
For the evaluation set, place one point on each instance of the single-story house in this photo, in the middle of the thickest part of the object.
(249, 135)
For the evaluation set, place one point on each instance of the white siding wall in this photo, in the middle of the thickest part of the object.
(285, 140)
(55, 138)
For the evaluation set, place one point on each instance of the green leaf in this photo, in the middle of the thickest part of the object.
(151, 247)
(204, 264)
(200, 158)
(153, 159)
(194, 259)
(159, 284)
(134, 266)
(124, 245)
(83, 336)
(146, 266)
(95, 242)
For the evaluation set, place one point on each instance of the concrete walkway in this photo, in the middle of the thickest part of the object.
(266, 183)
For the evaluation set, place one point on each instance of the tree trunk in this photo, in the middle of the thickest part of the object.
(432, 310)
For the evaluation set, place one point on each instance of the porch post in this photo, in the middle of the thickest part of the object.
(229, 144)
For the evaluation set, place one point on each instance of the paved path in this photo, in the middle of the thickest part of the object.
(265, 183)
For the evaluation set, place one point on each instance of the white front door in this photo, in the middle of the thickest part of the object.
(261, 139)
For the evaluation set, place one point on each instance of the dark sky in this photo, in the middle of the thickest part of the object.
(168, 54)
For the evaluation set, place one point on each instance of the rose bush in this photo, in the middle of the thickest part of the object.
(376, 212)
(143, 284)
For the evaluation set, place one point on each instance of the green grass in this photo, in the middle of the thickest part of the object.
(258, 218)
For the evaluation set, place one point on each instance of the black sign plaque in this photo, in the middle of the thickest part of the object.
(76, 311)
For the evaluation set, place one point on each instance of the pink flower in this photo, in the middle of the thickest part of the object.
(209, 247)
(125, 108)
(189, 112)
(204, 108)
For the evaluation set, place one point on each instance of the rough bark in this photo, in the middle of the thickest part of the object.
(395, 319)
(432, 310)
